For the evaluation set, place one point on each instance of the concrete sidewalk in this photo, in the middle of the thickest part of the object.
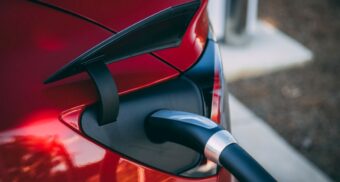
(269, 50)
(269, 149)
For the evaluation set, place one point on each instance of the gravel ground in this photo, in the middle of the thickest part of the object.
(303, 103)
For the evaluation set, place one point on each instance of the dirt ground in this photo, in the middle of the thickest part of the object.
(303, 103)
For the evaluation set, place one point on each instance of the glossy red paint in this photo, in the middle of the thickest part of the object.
(35, 42)
(193, 42)
(119, 14)
(44, 149)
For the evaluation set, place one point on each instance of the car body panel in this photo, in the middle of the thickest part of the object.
(39, 136)
(45, 149)
(119, 14)
(32, 50)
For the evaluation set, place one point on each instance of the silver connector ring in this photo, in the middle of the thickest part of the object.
(216, 143)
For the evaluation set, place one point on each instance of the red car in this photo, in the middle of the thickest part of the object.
(80, 78)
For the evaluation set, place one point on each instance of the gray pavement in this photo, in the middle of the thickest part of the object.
(270, 149)
(270, 50)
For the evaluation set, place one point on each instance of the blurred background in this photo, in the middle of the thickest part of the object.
(282, 61)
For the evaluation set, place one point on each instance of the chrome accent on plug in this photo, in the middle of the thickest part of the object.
(186, 117)
(216, 144)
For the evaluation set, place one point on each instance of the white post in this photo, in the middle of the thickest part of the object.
(217, 11)
(252, 16)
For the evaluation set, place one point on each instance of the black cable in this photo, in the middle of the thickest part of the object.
(242, 165)
(206, 137)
